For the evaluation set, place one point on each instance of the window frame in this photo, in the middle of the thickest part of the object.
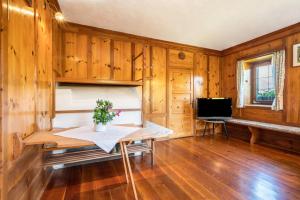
(254, 66)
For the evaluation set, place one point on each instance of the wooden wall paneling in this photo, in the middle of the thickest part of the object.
(57, 58)
(180, 96)
(20, 80)
(44, 67)
(70, 45)
(137, 39)
(122, 70)
(283, 39)
(200, 83)
(147, 82)
(57, 48)
(138, 67)
(214, 76)
(26, 94)
(100, 52)
(200, 76)
(292, 88)
(158, 80)
(186, 61)
(3, 95)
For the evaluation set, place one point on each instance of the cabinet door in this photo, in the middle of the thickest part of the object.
(138, 63)
(69, 65)
(180, 102)
(82, 56)
(100, 61)
(122, 68)
(76, 55)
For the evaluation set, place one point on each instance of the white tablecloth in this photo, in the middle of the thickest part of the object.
(106, 140)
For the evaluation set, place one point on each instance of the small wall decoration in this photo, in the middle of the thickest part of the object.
(296, 55)
(181, 55)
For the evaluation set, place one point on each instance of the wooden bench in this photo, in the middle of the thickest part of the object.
(254, 127)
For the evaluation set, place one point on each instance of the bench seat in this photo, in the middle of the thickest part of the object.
(254, 127)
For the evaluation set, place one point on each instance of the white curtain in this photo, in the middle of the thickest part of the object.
(240, 101)
(278, 61)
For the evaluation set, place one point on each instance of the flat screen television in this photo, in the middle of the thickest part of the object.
(214, 108)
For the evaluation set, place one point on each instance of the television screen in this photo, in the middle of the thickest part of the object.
(214, 108)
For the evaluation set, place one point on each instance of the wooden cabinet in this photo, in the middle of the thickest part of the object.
(100, 58)
(121, 67)
(155, 90)
(90, 57)
(180, 98)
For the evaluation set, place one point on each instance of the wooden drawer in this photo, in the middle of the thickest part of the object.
(182, 97)
(181, 107)
(182, 59)
(181, 80)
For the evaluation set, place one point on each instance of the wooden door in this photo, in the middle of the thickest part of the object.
(180, 95)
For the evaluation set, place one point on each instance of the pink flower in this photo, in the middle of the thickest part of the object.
(118, 112)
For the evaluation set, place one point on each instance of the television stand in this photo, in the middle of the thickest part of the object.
(215, 121)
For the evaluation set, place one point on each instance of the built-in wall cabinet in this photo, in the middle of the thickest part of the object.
(88, 57)
(155, 86)
(171, 77)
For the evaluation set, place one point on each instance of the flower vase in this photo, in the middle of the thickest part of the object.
(100, 127)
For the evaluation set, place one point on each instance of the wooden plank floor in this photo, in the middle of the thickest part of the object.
(189, 168)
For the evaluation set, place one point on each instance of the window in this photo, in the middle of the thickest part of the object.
(263, 82)
(259, 80)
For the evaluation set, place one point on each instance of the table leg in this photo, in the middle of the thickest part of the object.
(124, 163)
(129, 170)
(204, 129)
(225, 129)
(152, 151)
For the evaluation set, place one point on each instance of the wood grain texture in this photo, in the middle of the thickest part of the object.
(155, 90)
(122, 70)
(44, 100)
(115, 35)
(26, 92)
(214, 77)
(203, 168)
(158, 80)
(180, 96)
(187, 60)
(81, 56)
(100, 53)
(267, 44)
(201, 76)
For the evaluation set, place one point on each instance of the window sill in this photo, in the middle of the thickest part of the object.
(258, 106)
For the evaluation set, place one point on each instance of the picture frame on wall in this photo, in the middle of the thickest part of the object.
(296, 55)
